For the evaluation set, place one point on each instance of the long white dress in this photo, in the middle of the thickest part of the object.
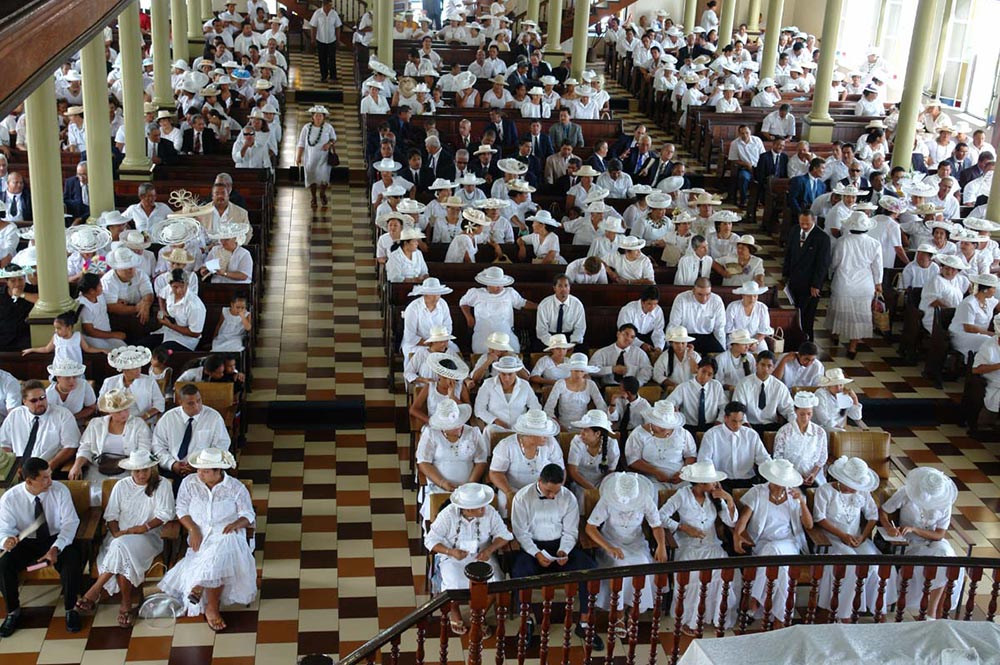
(224, 559)
(623, 529)
(845, 512)
(856, 269)
(312, 138)
(700, 516)
(453, 530)
(804, 450)
(132, 554)
(573, 404)
(970, 311)
(510, 460)
(494, 312)
(666, 454)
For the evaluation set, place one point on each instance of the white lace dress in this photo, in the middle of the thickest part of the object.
(623, 529)
(573, 404)
(224, 559)
(131, 555)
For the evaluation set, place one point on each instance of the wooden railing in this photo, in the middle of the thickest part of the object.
(422, 627)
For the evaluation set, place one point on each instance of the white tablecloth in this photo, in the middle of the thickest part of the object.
(908, 643)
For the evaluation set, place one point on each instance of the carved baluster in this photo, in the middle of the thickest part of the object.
(421, 636)
(503, 608)
(883, 577)
(793, 579)
(654, 628)
(991, 611)
(905, 574)
(479, 573)
(749, 574)
(371, 659)
(839, 572)
(548, 593)
(571, 592)
(860, 577)
(929, 573)
(444, 634)
(591, 614)
(952, 572)
(638, 584)
(613, 616)
(770, 573)
(680, 586)
(522, 634)
(727, 575)
(817, 574)
(704, 579)
(394, 651)
(975, 574)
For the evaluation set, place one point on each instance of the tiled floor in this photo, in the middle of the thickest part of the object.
(337, 547)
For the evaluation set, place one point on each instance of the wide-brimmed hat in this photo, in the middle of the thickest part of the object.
(834, 377)
(848, 190)
(927, 248)
(625, 490)
(113, 401)
(781, 472)
(596, 193)
(263, 84)
(410, 207)
(630, 243)
(112, 218)
(178, 255)
(559, 341)
(387, 164)
(961, 234)
(659, 201)
(450, 415)
(980, 224)
(985, 280)
(448, 366)
(914, 188)
(438, 334)
(123, 258)
(472, 496)
(465, 80)
(441, 183)
(469, 179)
(228, 230)
(893, 204)
(431, 286)
(805, 399)
(135, 240)
(411, 233)
(684, 217)
(164, 114)
(597, 207)
(951, 261)
(512, 166)
(520, 186)
(855, 473)
(477, 217)
(930, 489)
(485, 149)
(665, 415)
(544, 217)
(864, 205)
(548, 80)
(579, 362)
(678, 334)
(750, 288)
(595, 419)
(176, 231)
(395, 191)
(139, 458)
(381, 68)
(181, 64)
(494, 276)
(611, 225)
(858, 221)
(212, 458)
(728, 216)
(741, 336)
(129, 357)
(702, 472)
(706, 199)
(74, 110)
(318, 108)
(535, 422)
(66, 367)
(536, 90)
(373, 84)
(587, 171)
(747, 240)
(87, 238)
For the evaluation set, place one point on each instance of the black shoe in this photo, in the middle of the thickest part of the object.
(581, 632)
(322, 79)
(530, 640)
(10, 623)
(72, 621)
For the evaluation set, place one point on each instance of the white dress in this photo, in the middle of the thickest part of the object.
(573, 404)
(231, 333)
(453, 460)
(510, 460)
(702, 517)
(312, 138)
(753, 268)
(667, 454)
(845, 512)
(418, 321)
(68, 349)
(542, 247)
(224, 559)
(398, 268)
(493, 313)
(590, 466)
(144, 388)
(548, 369)
(454, 531)
(758, 322)
(131, 555)
(623, 529)
(458, 247)
(856, 269)
(80, 397)
(970, 312)
(804, 450)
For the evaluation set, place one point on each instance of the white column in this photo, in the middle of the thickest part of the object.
(136, 162)
(162, 94)
(916, 72)
(95, 112)
(553, 40)
(581, 24)
(178, 30)
(819, 124)
(726, 22)
(769, 58)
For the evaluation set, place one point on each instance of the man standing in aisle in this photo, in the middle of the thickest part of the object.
(326, 22)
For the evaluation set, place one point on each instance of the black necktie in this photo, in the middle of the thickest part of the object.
(559, 319)
(43, 531)
(701, 408)
(762, 397)
(620, 361)
(746, 367)
(626, 417)
(186, 441)
(32, 436)
(13, 206)
(534, 145)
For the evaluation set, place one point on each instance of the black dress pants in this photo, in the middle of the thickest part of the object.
(27, 552)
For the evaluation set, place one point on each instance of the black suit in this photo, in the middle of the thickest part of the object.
(563, 184)
(534, 174)
(623, 143)
(506, 139)
(166, 151)
(482, 171)
(445, 167)
(640, 174)
(805, 268)
(423, 178)
(209, 143)
(656, 172)
(516, 77)
(968, 175)
(535, 74)
(545, 148)
(73, 198)
(24, 202)
(863, 183)
(598, 163)
(771, 166)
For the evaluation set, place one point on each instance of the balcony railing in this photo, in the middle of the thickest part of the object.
(516, 600)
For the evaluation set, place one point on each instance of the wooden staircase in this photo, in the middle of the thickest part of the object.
(598, 11)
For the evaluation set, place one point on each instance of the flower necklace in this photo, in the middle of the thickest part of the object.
(309, 139)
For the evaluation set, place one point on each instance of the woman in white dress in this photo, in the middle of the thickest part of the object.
(110, 438)
(695, 507)
(772, 521)
(468, 530)
(70, 390)
(970, 326)
(615, 525)
(629, 265)
(857, 277)
(750, 267)
(447, 226)
(424, 312)
(661, 447)
(450, 452)
(551, 367)
(491, 309)
(924, 503)
(835, 402)
(218, 568)
(406, 264)
(129, 360)
(504, 398)
(571, 397)
(844, 507)
(679, 362)
(750, 314)
(946, 289)
(316, 140)
(593, 454)
(519, 458)
(450, 373)
(803, 442)
(138, 506)
(543, 240)
(464, 247)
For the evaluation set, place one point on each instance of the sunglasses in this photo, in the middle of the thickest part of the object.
(36, 400)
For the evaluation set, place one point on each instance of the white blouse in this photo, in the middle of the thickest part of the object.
(700, 516)
(510, 460)
(453, 459)
(804, 450)
(80, 397)
(136, 436)
(493, 404)
(129, 506)
(667, 454)
(573, 404)
(589, 466)
(144, 388)
(758, 322)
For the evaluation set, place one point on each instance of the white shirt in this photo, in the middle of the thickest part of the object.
(833, 411)
(651, 323)
(326, 25)
(686, 397)
(368, 105)
(188, 312)
(577, 275)
(136, 436)
(574, 324)
(698, 318)
(778, 400)
(418, 321)
(130, 292)
(746, 151)
(452, 530)
(795, 374)
(256, 156)
(57, 429)
(691, 267)
(733, 453)
(636, 363)
(144, 388)
(141, 220)
(758, 322)
(80, 397)
(239, 261)
(17, 512)
(493, 404)
(775, 125)
(510, 460)
(453, 460)
(666, 454)
(10, 393)
(989, 354)
(639, 269)
(805, 450)
(208, 431)
(398, 268)
(533, 519)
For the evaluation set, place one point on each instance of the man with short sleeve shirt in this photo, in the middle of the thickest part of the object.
(186, 429)
(735, 449)
(326, 22)
(703, 314)
(561, 313)
(39, 429)
(744, 152)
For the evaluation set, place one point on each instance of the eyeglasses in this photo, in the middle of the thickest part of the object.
(36, 400)
(855, 170)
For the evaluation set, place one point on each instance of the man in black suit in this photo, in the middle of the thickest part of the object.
(773, 163)
(416, 172)
(641, 161)
(627, 143)
(855, 178)
(505, 130)
(537, 68)
(519, 75)
(437, 160)
(978, 170)
(399, 123)
(17, 198)
(534, 174)
(661, 167)
(570, 179)
(158, 150)
(807, 262)
(598, 159)
(484, 165)
(541, 142)
(803, 189)
(199, 140)
(76, 193)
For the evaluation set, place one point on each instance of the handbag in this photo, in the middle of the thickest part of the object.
(880, 315)
(332, 158)
(778, 341)
(107, 464)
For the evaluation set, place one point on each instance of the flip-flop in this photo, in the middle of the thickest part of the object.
(458, 627)
(85, 604)
(125, 618)
(217, 625)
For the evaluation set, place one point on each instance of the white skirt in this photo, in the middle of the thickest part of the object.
(635, 555)
(453, 571)
(224, 560)
(129, 555)
(966, 343)
(779, 590)
(869, 590)
(915, 587)
(850, 317)
(713, 593)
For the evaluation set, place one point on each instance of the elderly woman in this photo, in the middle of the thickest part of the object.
(924, 504)
(138, 506)
(424, 312)
(491, 309)
(629, 265)
(857, 277)
(970, 327)
(772, 521)
(129, 360)
(504, 398)
(845, 509)
(835, 401)
(572, 396)
(235, 264)
(543, 240)
(70, 389)
(748, 267)
(316, 141)
(110, 439)
(593, 453)
(467, 530)
(520, 457)
(450, 225)
(219, 568)
(946, 289)
(449, 383)
(803, 442)
(750, 314)
(450, 452)
(661, 447)
(694, 504)
(406, 264)
(551, 367)
(627, 500)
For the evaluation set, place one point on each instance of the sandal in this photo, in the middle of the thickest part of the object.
(195, 596)
(85, 604)
(458, 627)
(323, 199)
(125, 618)
(217, 624)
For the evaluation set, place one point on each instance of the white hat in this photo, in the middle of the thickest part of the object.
(855, 473)
(579, 362)
(472, 496)
(747, 240)
(123, 258)
(66, 367)
(116, 400)
(140, 458)
(750, 288)
(663, 414)
(805, 399)
(625, 490)
(704, 198)
(728, 216)
(87, 238)
(438, 334)
(181, 65)
(781, 472)
(849, 190)
(985, 280)
(952, 261)
(74, 110)
(536, 90)
(571, 81)
(927, 248)
(431, 286)
(176, 231)
(596, 419)
(449, 415)
(549, 80)
(961, 234)
(596, 193)
(477, 217)
(643, 190)
(520, 186)
(263, 84)
(318, 108)
(611, 225)
(559, 341)
(499, 341)
(543, 216)
(513, 166)
(387, 164)
(382, 221)
(112, 218)
(535, 422)
(865, 205)
(893, 204)
(980, 224)
(702, 472)
(858, 221)
(508, 365)
(684, 217)
(678, 334)
(629, 243)
(448, 366)
(484, 150)
(470, 179)
(441, 183)
(465, 80)
(410, 207)
(914, 188)
(494, 276)
(834, 377)
(741, 336)
(395, 190)
(411, 233)
(670, 185)
(227, 230)
(129, 357)
(373, 84)
(930, 489)
(135, 240)
(212, 458)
